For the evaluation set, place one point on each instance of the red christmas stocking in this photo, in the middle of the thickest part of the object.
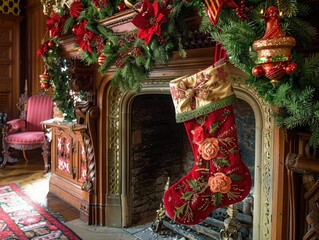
(203, 101)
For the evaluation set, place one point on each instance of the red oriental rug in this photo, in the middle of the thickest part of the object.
(21, 218)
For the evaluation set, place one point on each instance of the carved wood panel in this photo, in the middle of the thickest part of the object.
(9, 64)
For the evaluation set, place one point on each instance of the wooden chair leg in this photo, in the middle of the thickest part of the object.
(45, 155)
(25, 156)
(5, 154)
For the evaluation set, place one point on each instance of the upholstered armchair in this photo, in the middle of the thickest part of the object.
(26, 133)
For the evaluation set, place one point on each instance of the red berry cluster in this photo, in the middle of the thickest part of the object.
(119, 63)
(121, 42)
(99, 44)
(131, 37)
(100, 4)
(136, 51)
(123, 55)
(242, 10)
(162, 40)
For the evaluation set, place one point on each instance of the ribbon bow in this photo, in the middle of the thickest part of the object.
(190, 93)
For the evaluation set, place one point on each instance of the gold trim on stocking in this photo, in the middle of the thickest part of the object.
(201, 93)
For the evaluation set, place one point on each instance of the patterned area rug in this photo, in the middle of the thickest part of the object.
(21, 218)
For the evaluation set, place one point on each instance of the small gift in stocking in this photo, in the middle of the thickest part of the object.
(203, 101)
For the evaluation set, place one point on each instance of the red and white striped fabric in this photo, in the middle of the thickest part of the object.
(40, 108)
(26, 138)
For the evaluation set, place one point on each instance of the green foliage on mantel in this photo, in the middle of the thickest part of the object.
(134, 57)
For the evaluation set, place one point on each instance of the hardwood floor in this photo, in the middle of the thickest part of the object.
(35, 181)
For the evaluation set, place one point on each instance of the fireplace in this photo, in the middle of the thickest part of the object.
(140, 124)
(111, 199)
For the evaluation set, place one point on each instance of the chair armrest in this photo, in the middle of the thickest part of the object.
(14, 126)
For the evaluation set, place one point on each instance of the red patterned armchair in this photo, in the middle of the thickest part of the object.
(26, 133)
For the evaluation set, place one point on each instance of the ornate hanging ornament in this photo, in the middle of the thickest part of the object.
(274, 50)
(45, 80)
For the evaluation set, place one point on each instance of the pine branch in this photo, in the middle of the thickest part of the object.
(301, 30)
(70, 22)
(108, 62)
(288, 7)
(237, 38)
(303, 9)
(91, 26)
(310, 70)
(104, 31)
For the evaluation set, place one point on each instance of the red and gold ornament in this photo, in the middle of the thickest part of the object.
(274, 50)
(45, 80)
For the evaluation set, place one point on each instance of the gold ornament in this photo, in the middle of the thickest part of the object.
(274, 49)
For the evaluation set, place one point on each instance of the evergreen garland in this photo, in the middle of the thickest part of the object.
(56, 67)
(296, 96)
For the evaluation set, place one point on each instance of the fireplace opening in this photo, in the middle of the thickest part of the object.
(159, 148)
(157, 151)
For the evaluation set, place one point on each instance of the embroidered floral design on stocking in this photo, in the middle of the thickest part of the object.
(219, 176)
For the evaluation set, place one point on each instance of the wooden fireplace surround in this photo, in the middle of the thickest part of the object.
(97, 202)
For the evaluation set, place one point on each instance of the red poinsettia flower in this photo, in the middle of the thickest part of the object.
(149, 20)
(43, 49)
(84, 37)
(76, 8)
(55, 24)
